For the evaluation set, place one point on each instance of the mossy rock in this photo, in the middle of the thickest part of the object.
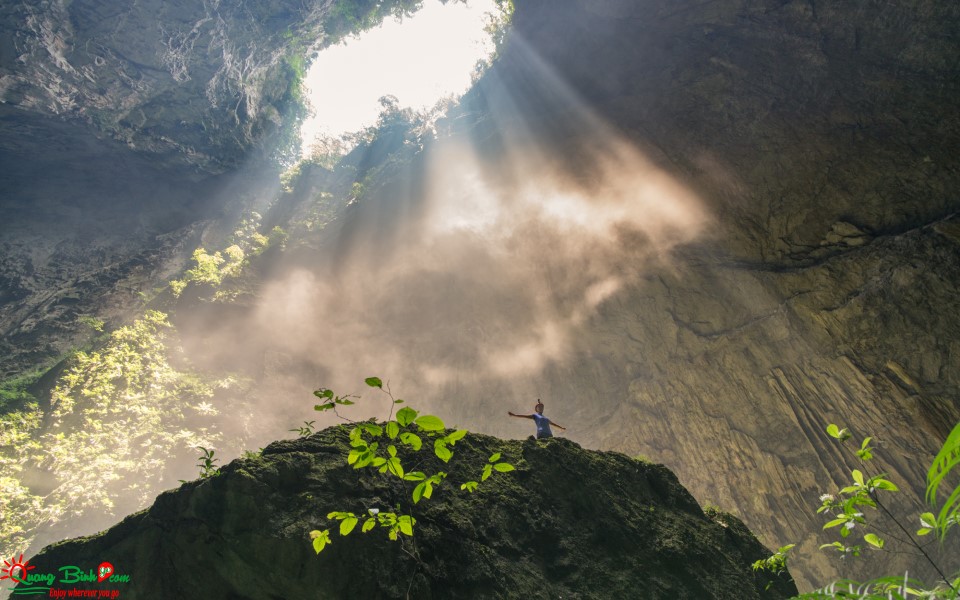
(567, 523)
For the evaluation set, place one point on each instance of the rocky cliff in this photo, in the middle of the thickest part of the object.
(568, 523)
(794, 262)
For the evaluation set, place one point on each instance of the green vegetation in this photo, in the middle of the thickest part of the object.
(118, 416)
(207, 464)
(14, 391)
(305, 430)
(847, 508)
(403, 437)
(348, 18)
(293, 105)
(215, 269)
(91, 322)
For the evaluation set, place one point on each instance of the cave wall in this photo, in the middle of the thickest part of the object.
(822, 139)
(187, 82)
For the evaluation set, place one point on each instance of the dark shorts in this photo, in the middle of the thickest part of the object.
(543, 434)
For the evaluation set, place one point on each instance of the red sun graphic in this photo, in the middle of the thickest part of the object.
(15, 569)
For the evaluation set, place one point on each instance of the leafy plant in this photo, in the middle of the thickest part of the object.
(304, 430)
(777, 563)
(947, 460)
(381, 447)
(251, 454)
(207, 463)
(848, 506)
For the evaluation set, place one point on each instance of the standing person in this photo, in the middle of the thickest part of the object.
(543, 423)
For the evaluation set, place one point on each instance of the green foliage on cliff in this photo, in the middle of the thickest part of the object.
(217, 268)
(350, 17)
(118, 416)
(14, 392)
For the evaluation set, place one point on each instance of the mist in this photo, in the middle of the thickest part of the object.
(479, 265)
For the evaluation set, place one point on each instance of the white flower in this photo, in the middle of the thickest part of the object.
(826, 497)
(849, 524)
(373, 511)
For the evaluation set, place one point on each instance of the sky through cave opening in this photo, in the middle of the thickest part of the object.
(421, 60)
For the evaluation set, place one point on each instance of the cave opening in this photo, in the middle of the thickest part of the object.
(423, 62)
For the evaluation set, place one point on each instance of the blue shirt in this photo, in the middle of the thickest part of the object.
(543, 425)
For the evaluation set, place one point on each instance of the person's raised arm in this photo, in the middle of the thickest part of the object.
(552, 422)
(521, 416)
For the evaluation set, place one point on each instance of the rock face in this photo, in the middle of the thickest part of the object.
(167, 79)
(820, 140)
(568, 523)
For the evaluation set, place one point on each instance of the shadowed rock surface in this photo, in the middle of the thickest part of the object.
(569, 523)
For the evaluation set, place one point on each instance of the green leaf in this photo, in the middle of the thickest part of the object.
(456, 436)
(345, 402)
(320, 540)
(411, 439)
(323, 407)
(353, 456)
(494, 457)
(347, 525)
(406, 415)
(883, 484)
(836, 545)
(374, 430)
(368, 525)
(395, 467)
(487, 469)
(503, 467)
(441, 450)
(379, 461)
(418, 492)
(470, 486)
(429, 423)
(866, 441)
(398, 401)
(947, 459)
(392, 450)
(405, 523)
(872, 538)
(414, 476)
(858, 476)
(393, 428)
(428, 488)
(834, 523)
(374, 382)
(323, 393)
(833, 430)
